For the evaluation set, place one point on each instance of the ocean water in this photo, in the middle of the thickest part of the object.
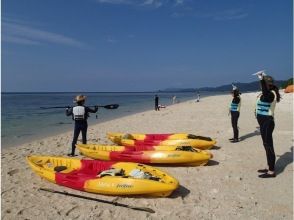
(23, 120)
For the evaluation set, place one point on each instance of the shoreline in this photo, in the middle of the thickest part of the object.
(228, 188)
(41, 137)
(68, 124)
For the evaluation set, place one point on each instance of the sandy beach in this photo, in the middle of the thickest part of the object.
(227, 188)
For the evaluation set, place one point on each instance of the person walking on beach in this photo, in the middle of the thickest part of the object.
(156, 100)
(80, 114)
(265, 107)
(235, 113)
(198, 97)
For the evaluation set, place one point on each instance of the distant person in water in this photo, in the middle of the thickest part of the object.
(174, 99)
(265, 107)
(235, 112)
(80, 114)
(156, 101)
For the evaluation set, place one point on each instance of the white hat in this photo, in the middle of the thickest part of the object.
(80, 98)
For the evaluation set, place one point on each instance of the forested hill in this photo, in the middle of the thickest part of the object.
(252, 86)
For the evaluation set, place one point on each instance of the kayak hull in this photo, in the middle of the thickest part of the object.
(84, 175)
(175, 139)
(200, 144)
(116, 153)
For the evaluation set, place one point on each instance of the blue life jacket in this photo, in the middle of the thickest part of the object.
(235, 107)
(266, 108)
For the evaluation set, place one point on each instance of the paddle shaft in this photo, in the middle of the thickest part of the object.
(112, 106)
(99, 200)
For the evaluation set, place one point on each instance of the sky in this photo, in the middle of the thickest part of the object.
(146, 45)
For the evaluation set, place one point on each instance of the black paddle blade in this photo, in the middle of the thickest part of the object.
(113, 106)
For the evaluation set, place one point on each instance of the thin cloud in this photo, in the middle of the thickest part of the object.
(146, 3)
(117, 2)
(225, 15)
(232, 14)
(20, 33)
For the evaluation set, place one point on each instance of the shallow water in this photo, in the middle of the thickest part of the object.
(23, 120)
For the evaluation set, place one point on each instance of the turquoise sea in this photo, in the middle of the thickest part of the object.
(23, 120)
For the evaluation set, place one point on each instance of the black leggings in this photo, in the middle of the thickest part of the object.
(267, 125)
(80, 126)
(234, 118)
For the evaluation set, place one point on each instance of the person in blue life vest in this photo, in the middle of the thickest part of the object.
(80, 114)
(265, 107)
(235, 112)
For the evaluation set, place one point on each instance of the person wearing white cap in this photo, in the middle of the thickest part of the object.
(265, 107)
(80, 114)
(235, 112)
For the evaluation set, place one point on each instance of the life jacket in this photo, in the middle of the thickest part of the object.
(79, 113)
(266, 108)
(235, 107)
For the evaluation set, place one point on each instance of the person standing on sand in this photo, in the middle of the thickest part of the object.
(156, 100)
(174, 99)
(235, 113)
(198, 97)
(265, 107)
(80, 114)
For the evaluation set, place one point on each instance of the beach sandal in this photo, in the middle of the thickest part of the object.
(267, 175)
(262, 170)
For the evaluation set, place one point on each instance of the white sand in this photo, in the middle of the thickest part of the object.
(227, 189)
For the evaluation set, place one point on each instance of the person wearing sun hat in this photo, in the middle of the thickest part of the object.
(265, 107)
(80, 114)
(235, 112)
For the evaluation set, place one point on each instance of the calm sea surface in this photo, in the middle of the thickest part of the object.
(23, 120)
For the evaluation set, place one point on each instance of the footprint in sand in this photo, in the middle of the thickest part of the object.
(12, 172)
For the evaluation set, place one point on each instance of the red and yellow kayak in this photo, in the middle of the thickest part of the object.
(180, 139)
(200, 144)
(121, 153)
(104, 177)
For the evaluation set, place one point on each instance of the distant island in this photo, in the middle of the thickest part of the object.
(244, 87)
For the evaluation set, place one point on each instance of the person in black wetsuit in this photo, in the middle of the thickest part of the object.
(80, 114)
(265, 107)
(235, 113)
(156, 100)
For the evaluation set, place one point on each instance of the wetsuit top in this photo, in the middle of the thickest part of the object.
(80, 112)
(266, 102)
(235, 104)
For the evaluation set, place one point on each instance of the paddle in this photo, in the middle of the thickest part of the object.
(99, 200)
(111, 106)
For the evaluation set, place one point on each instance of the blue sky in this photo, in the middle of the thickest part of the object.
(132, 45)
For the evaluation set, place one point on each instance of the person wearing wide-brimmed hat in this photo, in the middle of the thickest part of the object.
(235, 112)
(265, 107)
(80, 114)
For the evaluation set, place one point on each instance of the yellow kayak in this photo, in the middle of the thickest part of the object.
(200, 144)
(104, 177)
(179, 139)
(121, 153)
